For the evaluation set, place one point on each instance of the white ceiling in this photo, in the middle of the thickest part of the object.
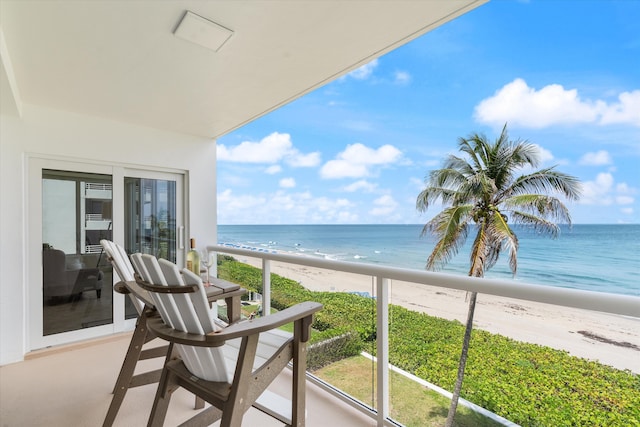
(120, 59)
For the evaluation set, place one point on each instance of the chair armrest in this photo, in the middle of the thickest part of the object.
(237, 330)
(141, 290)
(162, 289)
(136, 290)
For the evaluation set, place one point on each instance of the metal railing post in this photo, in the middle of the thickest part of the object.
(266, 287)
(382, 342)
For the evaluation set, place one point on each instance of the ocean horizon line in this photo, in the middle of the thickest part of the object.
(586, 256)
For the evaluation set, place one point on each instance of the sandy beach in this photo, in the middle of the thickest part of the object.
(610, 339)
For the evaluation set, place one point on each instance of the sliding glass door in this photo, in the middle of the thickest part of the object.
(72, 207)
(150, 222)
(76, 279)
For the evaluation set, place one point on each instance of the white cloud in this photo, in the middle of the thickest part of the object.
(357, 159)
(598, 158)
(362, 184)
(402, 78)
(603, 192)
(287, 183)
(545, 155)
(343, 169)
(274, 169)
(384, 205)
(299, 160)
(518, 104)
(627, 211)
(623, 188)
(365, 71)
(597, 192)
(270, 149)
(283, 207)
(625, 111)
(232, 203)
(624, 200)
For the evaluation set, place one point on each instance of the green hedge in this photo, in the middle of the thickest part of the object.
(529, 384)
(328, 350)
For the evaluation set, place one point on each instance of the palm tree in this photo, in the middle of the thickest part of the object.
(482, 188)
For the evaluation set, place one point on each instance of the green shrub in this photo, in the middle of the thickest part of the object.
(326, 351)
(529, 384)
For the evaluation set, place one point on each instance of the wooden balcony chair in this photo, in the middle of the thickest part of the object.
(144, 306)
(230, 367)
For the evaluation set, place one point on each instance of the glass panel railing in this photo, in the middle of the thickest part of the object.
(344, 329)
(527, 359)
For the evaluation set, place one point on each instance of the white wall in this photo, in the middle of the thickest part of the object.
(61, 135)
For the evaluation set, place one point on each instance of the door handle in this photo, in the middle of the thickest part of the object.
(181, 237)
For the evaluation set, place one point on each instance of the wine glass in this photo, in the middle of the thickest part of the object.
(207, 259)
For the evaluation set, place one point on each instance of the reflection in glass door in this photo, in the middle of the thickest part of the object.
(76, 278)
(150, 220)
(150, 217)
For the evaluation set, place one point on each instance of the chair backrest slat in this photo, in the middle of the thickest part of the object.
(200, 302)
(138, 265)
(121, 262)
(164, 302)
(122, 267)
(186, 312)
(141, 269)
(184, 306)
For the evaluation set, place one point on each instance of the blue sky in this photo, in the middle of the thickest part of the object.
(564, 75)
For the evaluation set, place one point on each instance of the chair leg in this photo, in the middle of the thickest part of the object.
(199, 403)
(235, 407)
(127, 370)
(298, 391)
(163, 397)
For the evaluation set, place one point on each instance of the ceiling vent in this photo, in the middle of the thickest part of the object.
(201, 31)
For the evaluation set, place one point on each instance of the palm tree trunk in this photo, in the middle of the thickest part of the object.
(463, 361)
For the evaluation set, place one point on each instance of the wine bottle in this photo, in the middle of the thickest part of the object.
(193, 258)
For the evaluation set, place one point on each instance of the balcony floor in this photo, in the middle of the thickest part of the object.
(72, 386)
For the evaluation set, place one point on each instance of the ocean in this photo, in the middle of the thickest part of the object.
(603, 258)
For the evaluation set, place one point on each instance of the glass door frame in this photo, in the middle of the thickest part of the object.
(119, 226)
(35, 338)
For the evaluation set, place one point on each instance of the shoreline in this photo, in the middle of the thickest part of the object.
(607, 338)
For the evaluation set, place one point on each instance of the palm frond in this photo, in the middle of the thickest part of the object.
(511, 156)
(539, 225)
(475, 188)
(504, 238)
(471, 150)
(459, 164)
(547, 181)
(450, 227)
(526, 154)
(431, 195)
(449, 177)
(547, 208)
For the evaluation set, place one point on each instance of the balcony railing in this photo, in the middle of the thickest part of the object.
(594, 301)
